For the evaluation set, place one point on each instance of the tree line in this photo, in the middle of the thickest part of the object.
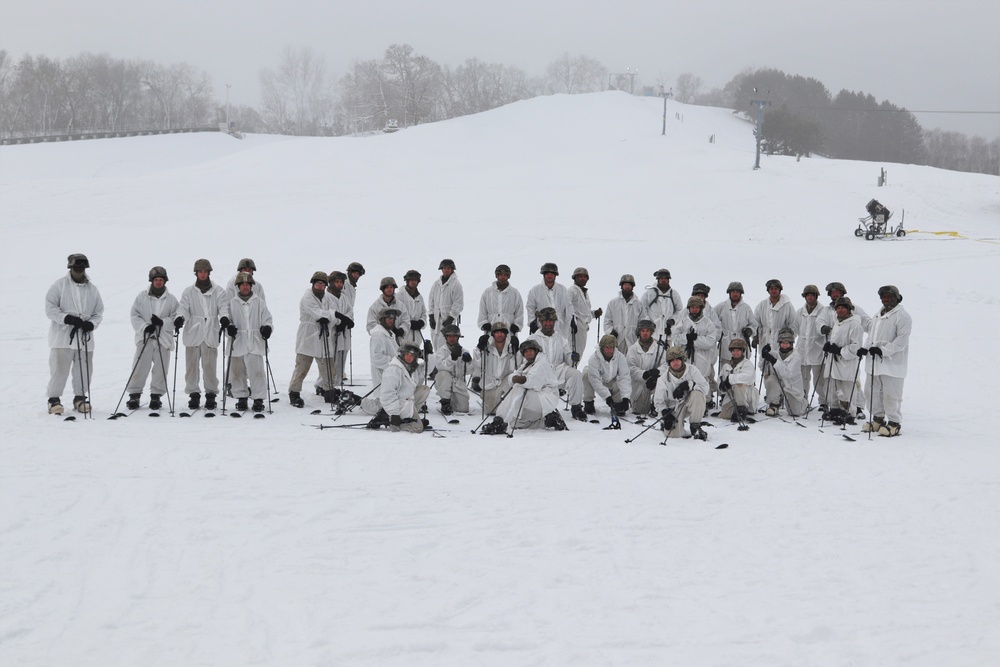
(300, 96)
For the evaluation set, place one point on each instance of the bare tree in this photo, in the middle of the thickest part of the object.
(687, 87)
(575, 75)
(296, 96)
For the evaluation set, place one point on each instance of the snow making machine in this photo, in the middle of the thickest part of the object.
(876, 224)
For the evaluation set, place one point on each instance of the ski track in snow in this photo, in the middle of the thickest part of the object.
(265, 542)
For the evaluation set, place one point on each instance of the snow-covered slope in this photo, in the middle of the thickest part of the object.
(225, 542)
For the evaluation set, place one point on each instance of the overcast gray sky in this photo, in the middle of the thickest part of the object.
(922, 54)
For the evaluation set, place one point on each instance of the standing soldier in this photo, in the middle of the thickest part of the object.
(889, 344)
(453, 365)
(737, 318)
(249, 330)
(387, 299)
(644, 358)
(815, 322)
(203, 312)
(153, 313)
(774, 313)
(354, 272)
(237, 371)
(582, 310)
(383, 344)
(663, 302)
(550, 294)
(697, 334)
(344, 308)
(501, 302)
(446, 301)
(843, 364)
(624, 313)
(494, 361)
(74, 306)
(702, 290)
(315, 339)
(413, 309)
(607, 376)
(785, 380)
(835, 290)
(555, 347)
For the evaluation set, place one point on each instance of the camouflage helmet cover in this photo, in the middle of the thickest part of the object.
(158, 272)
(77, 258)
(246, 263)
(547, 314)
(675, 352)
(244, 277)
(202, 265)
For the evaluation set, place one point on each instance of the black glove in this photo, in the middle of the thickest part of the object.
(653, 373)
(447, 322)
(765, 349)
(725, 385)
(345, 321)
(456, 352)
(610, 400)
(428, 348)
(73, 321)
(466, 357)
(232, 330)
(862, 351)
(431, 318)
(323, 322)
(692, 337)
(598, 312)
(614, 332)
(416, 325)
(515, 344)
(224, 322)
(514, 329)
(265, 331)
(533, 327)
(669, 420)
(156, 321)
(399, 332)
(769, 358)
(681, 389)
(476, 387)
(395, 420)
(825, 329)
(875, 351)
(754, 342)
(150, 329)
(651, 383)
(832, 348)
(178, 322)
(623, 406)
(483, 342)
(486, 328)
(574, 357)
(666, 331)
(87, 325)
(747, 333)
(670, 323)
(572, 325)
(518, 379)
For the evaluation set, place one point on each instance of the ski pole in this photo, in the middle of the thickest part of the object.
(79, 367)
(513, 427)
(86, 368)
(658, 420)
(739, 416)
(177, 349)
(781, 385)
(826, 399)
(268, 364)
(324, 334)
(678, 415)
(871, 400)
(163, 370)
(229, 365)
(850, 400)
(138, 358)
(491, 414)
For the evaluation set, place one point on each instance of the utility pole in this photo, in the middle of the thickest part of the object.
(760, 123)
(665, 95)
(227, 107)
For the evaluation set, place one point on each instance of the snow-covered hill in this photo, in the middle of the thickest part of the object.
(225, 542)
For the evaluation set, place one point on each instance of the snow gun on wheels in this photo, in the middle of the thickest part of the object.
(876, 224)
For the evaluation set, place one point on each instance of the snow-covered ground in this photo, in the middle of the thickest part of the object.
(248, 542)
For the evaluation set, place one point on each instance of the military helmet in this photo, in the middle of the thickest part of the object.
(627, 278)
(451, 330)
(321, 277)
(580, 271)
(786, 335)
(337, 275)
(447, 263)
(661, 273)
(810, 289)
(607, 340)
(412, 274)
(890, 289)
(499, 326)
(158, 272)
(844, 301)
(408, 348)
(675, 352)
(549, 267)
(386, 282)
(547, 314)
(387, 313)
(530, 344)
(836, 286)
(774, 282)
(735, 285)
(244, 277)
(738, 344)
(356, 266)
(77, 258)
(501, 268)
(645, 324)
(246, 263)
(700, 288)
(202, 265)
(696, 301)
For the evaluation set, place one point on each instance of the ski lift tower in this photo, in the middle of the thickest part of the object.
(623, 80)
(665, 95)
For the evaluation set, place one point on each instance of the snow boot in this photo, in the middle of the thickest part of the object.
(697, 432)
(380, 419)
(860, 414)
(496, 427)
(890, 429)
(578, 413)
(588, 407)
(295, 398)
(446, 408)
(555, 420)
(241, 404)
(81, 404)
(210, 401)
(331, 395)
(55, 407)
(194, 401)
(874, 425)
(133, 401)
(154, 402)
(772, 410)
(258, 405)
